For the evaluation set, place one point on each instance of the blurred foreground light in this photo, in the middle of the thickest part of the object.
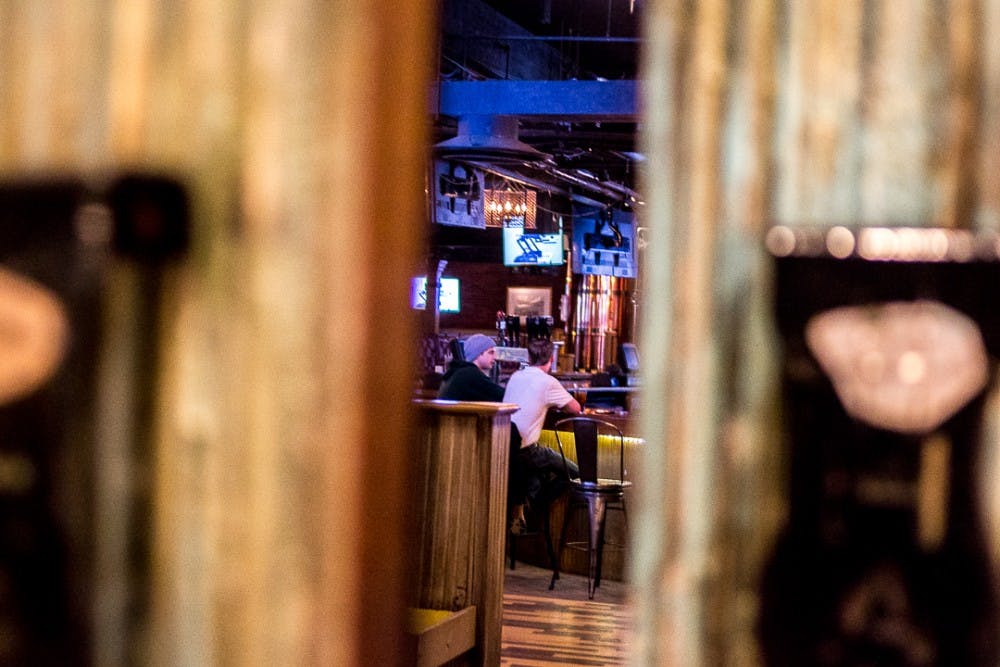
(780, 241)
(877, 243)
(920, 244)
(840, 242)
(960, 246)
(883, 244)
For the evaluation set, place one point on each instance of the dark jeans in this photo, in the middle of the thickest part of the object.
(517, 478)
(539, 475)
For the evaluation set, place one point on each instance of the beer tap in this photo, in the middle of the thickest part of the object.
(502, 340)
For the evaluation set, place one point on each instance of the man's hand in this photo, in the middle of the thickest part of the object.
(573, 407)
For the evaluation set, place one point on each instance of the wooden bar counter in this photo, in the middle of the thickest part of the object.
(461, 499)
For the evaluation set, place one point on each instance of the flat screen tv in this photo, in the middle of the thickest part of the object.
(605, 246)
(521, 248)
(448, 298)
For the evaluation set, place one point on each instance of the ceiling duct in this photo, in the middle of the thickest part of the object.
(488, 138)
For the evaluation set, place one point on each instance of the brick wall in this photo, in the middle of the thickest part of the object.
(483, 291)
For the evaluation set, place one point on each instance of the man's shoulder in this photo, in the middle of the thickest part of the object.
(533, 377)
(472, 373)
(524, 375)
(518, 375)
(544, 376)
(474, 386)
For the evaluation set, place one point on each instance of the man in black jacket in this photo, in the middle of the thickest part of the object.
(466, 380)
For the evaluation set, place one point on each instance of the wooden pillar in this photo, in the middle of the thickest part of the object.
(759, 112)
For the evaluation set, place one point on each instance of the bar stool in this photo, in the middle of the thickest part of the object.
(600, 487)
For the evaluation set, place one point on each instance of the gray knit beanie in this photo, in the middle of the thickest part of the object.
(475, 345)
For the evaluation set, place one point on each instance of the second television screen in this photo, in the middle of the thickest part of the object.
(525, 249)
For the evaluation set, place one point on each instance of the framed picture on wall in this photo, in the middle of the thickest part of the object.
(529, 301)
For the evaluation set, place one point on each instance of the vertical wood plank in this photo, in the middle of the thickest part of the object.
(986, 214)
(961, 120)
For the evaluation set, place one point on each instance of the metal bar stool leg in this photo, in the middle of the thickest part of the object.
(613, 504)
(547, 534)
(596, 508)
(600, 552)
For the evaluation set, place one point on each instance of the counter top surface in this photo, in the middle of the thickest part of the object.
(465, 407)
(587, 388)
(572, 377)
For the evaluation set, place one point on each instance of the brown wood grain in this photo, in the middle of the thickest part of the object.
(461, 499)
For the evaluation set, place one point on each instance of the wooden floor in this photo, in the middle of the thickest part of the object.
(563, 627)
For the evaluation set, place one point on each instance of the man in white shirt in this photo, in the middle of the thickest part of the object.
(534, 390)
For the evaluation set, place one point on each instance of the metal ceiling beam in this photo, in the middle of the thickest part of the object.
(569, 100)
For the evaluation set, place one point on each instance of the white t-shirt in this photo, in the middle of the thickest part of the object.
(534, 391)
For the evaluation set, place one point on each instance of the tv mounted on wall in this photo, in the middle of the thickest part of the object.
(448, 297)
(522, 248)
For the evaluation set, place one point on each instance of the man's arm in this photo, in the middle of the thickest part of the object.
(558, 397)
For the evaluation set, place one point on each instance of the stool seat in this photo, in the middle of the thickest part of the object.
(601, 485)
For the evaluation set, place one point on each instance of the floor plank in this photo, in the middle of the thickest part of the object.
(563, 627)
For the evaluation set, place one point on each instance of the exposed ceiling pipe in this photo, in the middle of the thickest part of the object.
(612, 190)
(608, 192)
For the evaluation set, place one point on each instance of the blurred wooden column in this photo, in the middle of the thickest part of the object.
(757, 112)
(284, 452)
(280, 442)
